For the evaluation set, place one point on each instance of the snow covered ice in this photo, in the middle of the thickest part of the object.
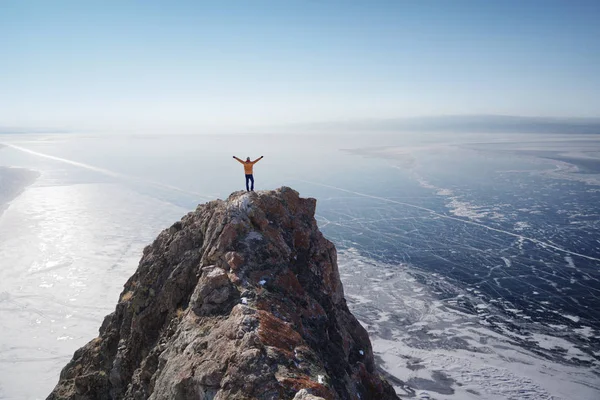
(476, 281)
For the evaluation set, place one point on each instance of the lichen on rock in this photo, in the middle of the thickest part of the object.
(241, 299)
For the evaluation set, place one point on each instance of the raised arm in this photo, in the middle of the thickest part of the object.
(257, 160)
(238, 160)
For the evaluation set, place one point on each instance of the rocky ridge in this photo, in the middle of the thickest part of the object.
(241, 299)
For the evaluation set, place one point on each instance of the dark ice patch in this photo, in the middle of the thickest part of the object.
(441, 383)
(12, 183)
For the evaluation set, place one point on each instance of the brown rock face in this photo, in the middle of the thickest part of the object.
(241, 299)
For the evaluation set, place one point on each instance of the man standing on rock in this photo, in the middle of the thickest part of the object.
(248, 170)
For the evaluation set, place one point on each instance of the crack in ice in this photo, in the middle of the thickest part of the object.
(437, 214)
(105, 171)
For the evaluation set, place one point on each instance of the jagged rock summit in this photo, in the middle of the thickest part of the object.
(241, 299)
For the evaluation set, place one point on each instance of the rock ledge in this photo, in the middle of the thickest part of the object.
(241, 299)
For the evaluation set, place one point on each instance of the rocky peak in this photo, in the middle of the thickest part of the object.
(241, 299)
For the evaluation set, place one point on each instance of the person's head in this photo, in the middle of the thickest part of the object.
(248, 159)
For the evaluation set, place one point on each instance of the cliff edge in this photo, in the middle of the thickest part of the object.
(241, 299)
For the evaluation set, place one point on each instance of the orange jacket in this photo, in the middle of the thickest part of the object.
(248, 165)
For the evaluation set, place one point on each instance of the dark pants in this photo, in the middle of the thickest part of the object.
(250, 178)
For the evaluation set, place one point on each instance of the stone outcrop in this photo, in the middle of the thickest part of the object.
(241, 299)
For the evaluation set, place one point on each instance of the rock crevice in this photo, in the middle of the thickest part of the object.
(241, 299)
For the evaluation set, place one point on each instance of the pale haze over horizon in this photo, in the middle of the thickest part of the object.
(196, 65)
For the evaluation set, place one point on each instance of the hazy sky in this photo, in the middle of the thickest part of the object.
(86, 64)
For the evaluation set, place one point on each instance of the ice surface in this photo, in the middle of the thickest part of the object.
(12, 182)
(473, 266)
(66, 252)
(434, 350)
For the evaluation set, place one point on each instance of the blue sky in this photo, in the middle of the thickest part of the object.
(195, 64)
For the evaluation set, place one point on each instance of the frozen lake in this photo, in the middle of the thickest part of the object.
(473, 260)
